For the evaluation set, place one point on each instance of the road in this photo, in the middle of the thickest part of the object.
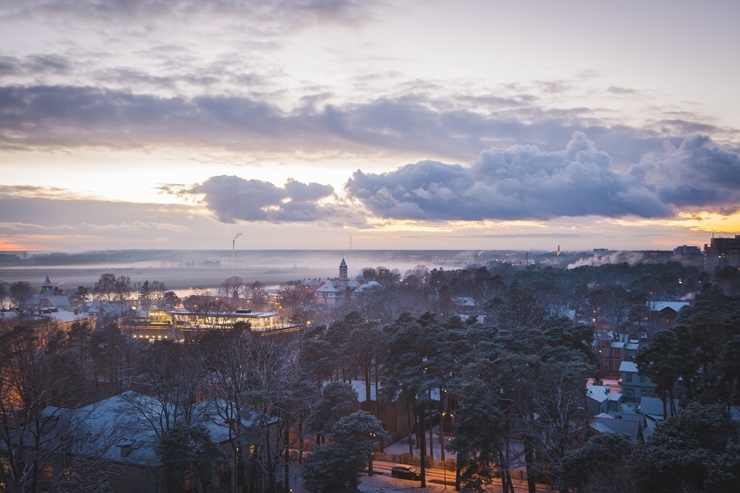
(437, 480)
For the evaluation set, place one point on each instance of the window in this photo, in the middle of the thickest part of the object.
(47, 473)
(5, 469)
(628, 377)
(190, 482)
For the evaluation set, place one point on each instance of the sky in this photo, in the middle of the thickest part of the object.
(341, 124)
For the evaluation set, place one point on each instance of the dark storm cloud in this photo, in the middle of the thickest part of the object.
(444, 128)
(698, 173)
(37, 116)
(521, 182)
(66, 115)
(232, 199)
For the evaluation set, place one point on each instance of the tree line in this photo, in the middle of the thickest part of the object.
(508, 381)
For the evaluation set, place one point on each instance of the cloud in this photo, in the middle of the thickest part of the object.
(16, 226)
(50, 116)
(233, 199)
(525, 182)
(698, 173)
(137, 226)
(34, 65)
(20, 209)
(289, 12)
(7, 191)
(59, 221)
(79, 116)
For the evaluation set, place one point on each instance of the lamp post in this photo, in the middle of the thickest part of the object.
(370, 456)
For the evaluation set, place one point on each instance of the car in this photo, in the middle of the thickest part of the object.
(405, 472)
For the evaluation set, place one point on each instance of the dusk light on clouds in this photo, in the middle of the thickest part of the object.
(405, 125)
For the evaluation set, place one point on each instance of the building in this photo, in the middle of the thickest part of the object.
(634, 385)
(721, 253)
(180, 325)
(50, 297)
(328, 293)
(687, 250)
(116, 441)
(631, 425)
(610, 354)
(334, 291)
(601, 400)
(50, 305)
(665, 312)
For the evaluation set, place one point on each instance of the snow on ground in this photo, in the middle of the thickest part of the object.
(382, 482)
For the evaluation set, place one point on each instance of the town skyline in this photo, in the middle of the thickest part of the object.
(368, 125)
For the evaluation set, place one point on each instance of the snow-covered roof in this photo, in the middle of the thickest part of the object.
(609, 424)
(47, 299)
(369, 286)
(653, 406)
(464, 301)
(676, 306)
(111, 307)
(328, 287)
(630, 416)
(601, 393)
(65, 316)
(311, 282)
(6, 316)
(119, 428)
(628, 366)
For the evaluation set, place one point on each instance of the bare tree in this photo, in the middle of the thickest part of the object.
(105, 287)
(150, 294)
(257, 295)
(171, 374)
(254, 376)
(34, 434)
(553, 419)
(20, 292)
(232, 287)
(3, 294)
(294, 300)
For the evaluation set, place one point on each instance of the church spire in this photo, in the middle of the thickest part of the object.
(47, 286)
(343, 277)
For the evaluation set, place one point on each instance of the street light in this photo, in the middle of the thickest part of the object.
(370, 456)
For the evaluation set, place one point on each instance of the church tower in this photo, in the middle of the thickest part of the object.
(47, 286)
(343, 278)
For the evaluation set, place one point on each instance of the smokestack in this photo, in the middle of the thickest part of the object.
(233, 242)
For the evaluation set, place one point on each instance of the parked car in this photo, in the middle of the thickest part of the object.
(405, 472)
